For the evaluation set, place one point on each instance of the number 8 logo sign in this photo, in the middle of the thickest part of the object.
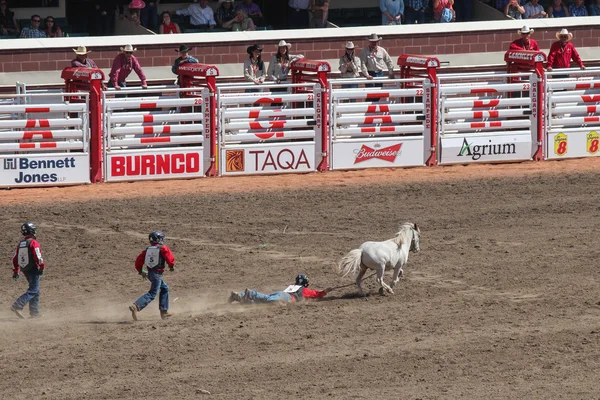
(593, 140)
(560, 144)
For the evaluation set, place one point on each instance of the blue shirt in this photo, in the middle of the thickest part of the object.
(577, 11)
(394, 7)
(417, 4)
(32, 32)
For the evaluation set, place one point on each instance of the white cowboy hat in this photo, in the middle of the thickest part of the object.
(373, 38)
(525, 29)
(81, 50)
(283, 43)
(128, 48)
(564, 32)
(349, 45)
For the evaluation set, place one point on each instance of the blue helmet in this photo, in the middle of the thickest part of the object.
(28, 228)
(156, 237)
(302, 280)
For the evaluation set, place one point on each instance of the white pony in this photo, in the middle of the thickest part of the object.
(379, 255)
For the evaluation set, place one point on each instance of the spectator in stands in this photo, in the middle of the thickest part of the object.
(375, 58)
(298, 14)
(557, 9)
(253, 11)
(577, 9)
(392, 11)
(501, 4)
(8, 22)
(535, 10)
(135, 8)
(514, 10)
(225, 12)
(241, 22)
(122, 66)
(149, 15)
(351, 65)
(415, 11)
(33, 31)
(279, 66)
(104, 16)
(52, 30)
(525, 42)
(167, 26)
(184, 58)
(595, 8)
(464, 10)
(201, 15)
(320, 11)
(443, 11)
(254, 66)
(81, 58)
(562, 52)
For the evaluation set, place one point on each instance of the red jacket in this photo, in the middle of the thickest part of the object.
(560, 57)
(37, 255)
(165, 252)
(519, 44)
(313, 294)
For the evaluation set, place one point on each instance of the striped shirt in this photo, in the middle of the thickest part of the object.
(32, 32)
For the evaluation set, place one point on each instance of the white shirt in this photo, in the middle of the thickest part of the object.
(530, 10)
(198, 15)
(299, 4)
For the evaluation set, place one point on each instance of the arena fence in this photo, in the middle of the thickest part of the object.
(573, 117)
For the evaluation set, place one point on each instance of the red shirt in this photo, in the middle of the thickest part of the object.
(313, 294)
(170, 28)
(37, 255)
(560, 57)
(165, 252)
(519, 44)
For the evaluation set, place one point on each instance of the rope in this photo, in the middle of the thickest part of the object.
(351, 284)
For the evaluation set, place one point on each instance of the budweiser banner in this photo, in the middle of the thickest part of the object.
(371, 153)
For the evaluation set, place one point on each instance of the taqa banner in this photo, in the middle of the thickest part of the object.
(573, 144)
(465, 149)
(268, 159)
(154, 164)
(365, 153)
(44, 169)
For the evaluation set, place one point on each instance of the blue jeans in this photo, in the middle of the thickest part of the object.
(157, 284)
(414, 16)
(254, 296)
(32, 295)
(375, 75)
(149, 17)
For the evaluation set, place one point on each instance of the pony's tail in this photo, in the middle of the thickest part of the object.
(350, 264)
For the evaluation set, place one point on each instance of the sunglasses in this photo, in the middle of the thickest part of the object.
(36, 20)
(128, 52)
(49, 20)
(564, 36)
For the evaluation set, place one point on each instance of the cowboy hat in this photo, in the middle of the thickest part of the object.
(373, 38)
(349, 45)
(137, 4)
(250, 49)
(183, 48)
(525, 29)
(283, 43)
(564, 32)
(81, 50)
(128, 49)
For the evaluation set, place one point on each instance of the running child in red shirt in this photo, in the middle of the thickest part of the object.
(28, 259)
(150, 264)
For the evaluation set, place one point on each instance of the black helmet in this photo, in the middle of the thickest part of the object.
(156, 237)
(302, 280)
(28, 228)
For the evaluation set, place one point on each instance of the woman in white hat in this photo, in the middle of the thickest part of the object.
(350, 64)
(81, 58)
(279, 66)
(122, 66)
(563, 51)
(525, 42)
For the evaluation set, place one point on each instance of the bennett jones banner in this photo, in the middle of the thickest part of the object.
(573, 144)
(268, 159)
(366, 153)
(154, 164)
(44, 169)
(467, 149)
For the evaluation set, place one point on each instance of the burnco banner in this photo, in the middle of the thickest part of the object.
(44, 169)
(468, 149)
(154, 164)
(357, 154)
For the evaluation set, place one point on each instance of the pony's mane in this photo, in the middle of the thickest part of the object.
(402, 234)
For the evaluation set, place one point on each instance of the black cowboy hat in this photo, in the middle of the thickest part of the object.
(250, 49)
(183, 48)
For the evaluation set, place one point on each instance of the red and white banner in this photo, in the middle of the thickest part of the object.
(153, 164)
(378, 153)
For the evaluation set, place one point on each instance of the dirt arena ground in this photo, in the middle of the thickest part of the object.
(502, 302)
